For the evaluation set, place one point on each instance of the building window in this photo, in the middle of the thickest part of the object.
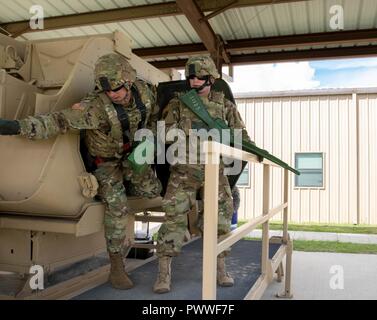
(244, 179)
(310, 165)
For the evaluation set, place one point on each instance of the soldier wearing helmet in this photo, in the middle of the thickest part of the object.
(113, 74)
(199, 69)
(109, 117)
(186, 180)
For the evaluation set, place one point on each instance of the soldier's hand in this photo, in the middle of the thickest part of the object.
(9, 127)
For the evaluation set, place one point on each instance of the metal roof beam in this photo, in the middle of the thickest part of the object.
(166, 51)
(294, 41)
(302, 55)
(128, 13)
(310, 39)
(96, 17)
(213, 43)
(285, 56)
(221, 10)
(216, 5)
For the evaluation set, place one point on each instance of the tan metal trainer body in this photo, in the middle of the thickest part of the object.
(44, 186)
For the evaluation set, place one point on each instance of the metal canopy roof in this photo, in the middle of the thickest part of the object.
(167, 32)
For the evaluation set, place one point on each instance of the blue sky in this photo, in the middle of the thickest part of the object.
(343, 73)
(346, 73)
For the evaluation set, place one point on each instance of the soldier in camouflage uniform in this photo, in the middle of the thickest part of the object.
(186, 180)
(110, 117)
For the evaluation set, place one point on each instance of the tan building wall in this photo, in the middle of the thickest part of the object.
(342, 124)
(368, 157)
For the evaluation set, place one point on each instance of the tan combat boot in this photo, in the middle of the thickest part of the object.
(118, 277)
(162, 284)
(223, 277)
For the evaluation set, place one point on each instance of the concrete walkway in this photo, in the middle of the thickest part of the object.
(330, 276)
(322, 236)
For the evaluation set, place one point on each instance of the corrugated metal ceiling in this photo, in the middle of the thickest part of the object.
(240, 23)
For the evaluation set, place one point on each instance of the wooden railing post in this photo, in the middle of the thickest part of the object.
(285, 211)
(210, 223)
(288, 263)
(265, 226)
(211, 247)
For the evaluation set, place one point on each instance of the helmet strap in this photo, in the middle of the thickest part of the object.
(207, 83)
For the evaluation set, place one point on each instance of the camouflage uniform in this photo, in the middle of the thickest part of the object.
(236, 198)
(187, 180)
(105, 140)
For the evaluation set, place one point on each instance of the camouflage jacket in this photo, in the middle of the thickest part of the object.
(178, 116)
(98, 117)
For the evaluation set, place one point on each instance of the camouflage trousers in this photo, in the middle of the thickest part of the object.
(110, 176)
(184, 184)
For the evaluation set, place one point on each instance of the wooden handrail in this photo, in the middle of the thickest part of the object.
(237, 234)
(211, 245)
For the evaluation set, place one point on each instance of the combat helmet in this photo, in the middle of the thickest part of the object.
(112, 71)
(201, 66)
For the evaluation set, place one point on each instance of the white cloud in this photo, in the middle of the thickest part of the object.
(355, 79)
(270, 77)
(345, 64)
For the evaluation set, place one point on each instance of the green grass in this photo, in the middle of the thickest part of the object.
(331, 246)
(328, 246)
(337, 228)
(334, 246)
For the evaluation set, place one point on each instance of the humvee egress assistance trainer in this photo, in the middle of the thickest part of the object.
(47, 212)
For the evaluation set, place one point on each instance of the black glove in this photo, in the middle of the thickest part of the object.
(9, 127)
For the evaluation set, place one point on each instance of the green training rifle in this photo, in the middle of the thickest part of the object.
(195, 104)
